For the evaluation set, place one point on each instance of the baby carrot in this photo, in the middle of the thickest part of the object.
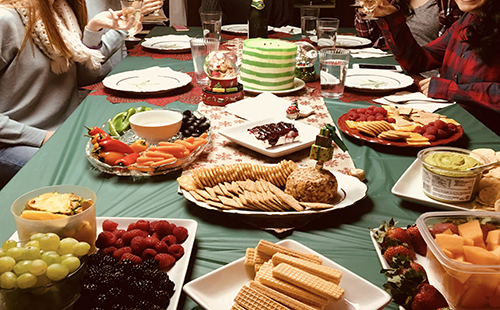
(163, 162)
(188, 145)
(203, 135)
(164, 155)
(175, 147)
(144, 159)
(189, 139)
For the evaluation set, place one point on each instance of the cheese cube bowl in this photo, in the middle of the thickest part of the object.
(465, 285)
(81, 226)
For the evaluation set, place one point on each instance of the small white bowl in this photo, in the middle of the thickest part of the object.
(156, 125)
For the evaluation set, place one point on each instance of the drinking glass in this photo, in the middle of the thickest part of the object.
(327, 28)
(308, 17)
(333, 65)
(132, 8)
(200, 48)
(211, 23)
(369, 6)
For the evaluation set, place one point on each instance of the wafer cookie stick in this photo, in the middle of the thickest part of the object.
(250, 257)
(237, 307)
(309, 282)
(251, 299)
(265, 276)
(324, 272)
(286, 300)
(270, 248)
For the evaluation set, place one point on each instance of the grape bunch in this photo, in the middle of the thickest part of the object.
(44, 259)
(192, 125)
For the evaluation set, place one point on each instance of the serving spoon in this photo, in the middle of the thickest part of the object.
(485, 166)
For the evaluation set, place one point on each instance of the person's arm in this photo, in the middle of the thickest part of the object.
(366, 28)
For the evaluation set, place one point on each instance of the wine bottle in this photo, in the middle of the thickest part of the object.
(257, 21)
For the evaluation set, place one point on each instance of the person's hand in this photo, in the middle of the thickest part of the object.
(110, 20)
(149, 6)
(383, 8)
(47, 136)
(424, 86)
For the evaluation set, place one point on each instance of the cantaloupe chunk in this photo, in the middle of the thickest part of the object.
(479, 256)
(452, 243)
(494, 301)
(472, 230)
(492, 239)
(474, 298)
(496, 252)
(447, 232)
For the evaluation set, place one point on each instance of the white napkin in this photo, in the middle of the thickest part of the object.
(368, 52)
(421, 102)
(170, 37)
(288, 29)
(263, 106)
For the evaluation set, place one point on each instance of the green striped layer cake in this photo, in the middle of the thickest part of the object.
(268, 64)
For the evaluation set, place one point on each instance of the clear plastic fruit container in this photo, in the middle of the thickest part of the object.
(81, 226)
(465, 285)
(445, 176)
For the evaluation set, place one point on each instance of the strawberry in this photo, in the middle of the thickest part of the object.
(428, 297)
(401, 250)
(388, 235)
(398, 235)
(441, 227)
(417, 242)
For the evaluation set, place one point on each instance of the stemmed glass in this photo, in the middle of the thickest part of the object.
(132, 8)
(369, 6)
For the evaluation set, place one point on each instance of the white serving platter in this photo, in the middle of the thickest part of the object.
(147, 81)
(376, 80)
(168, 44)
(216, 290)
(239, 134)
(409, 187)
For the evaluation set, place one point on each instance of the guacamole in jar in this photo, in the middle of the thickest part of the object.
(452, 161)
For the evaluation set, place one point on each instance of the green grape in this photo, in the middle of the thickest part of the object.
(16, 253)
(22, 267)
(37, 236)
(26, 280)
(7, 263)
(8, 280)
(38, 267)
(63, 257)
(66, 246)
(30, 253)
(33, 243)
(42, 280)
(51, 257)
(72, 263)
(57, 272)
(3, 253)
(49, 242)
(81, 248)
(9, 244)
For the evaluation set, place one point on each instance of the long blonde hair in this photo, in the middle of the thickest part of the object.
(41, 9)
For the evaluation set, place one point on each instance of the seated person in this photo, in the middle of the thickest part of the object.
(42, 67)
(466, 56)
(280, 12)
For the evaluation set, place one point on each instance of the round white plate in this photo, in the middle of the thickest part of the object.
(151, 80)
(167, 45)
(351, 41)
(298, 84)
(376, 80)
(239, 28)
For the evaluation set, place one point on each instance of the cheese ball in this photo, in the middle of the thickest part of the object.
(312, 185)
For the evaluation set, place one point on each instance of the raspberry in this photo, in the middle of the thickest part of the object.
(131, 257)
(143, 225)
(129, 235)
(131, 226)
(109, 225)
(119, 252)
(119, 232)
(108, 251)
(170, 239)
(176, 250)
(119, 243)
(156, 235)
(162, 227)
(165, 260)
(105, 239)
(151, 242)
(148, 253)
(181, 233)
(161, 247)
(138, 245)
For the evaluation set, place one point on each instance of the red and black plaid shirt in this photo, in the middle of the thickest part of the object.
(464, 77)
(448, 14)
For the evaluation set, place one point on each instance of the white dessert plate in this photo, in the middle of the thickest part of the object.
(239, 28)
(168, 44)
(351, 41)
(216, 290)
(178, 272)
(298, 84)
(239, 134)
(147, 81)
(409, 187)
(373, 80)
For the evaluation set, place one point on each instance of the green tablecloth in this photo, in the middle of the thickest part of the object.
(342, 236)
